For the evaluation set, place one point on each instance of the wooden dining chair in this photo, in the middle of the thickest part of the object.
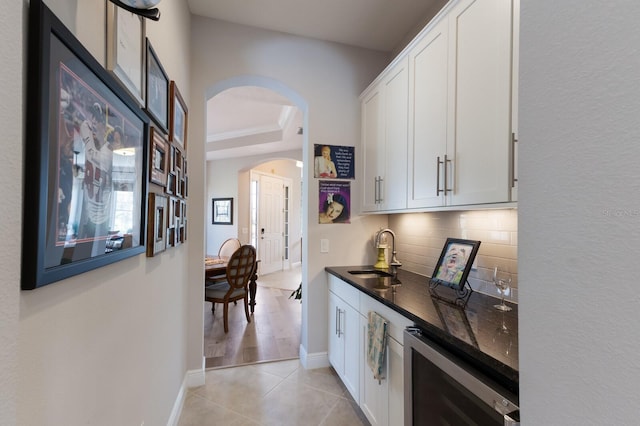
(239, 270)
(228, 247)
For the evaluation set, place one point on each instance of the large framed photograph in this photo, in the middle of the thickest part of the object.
(157, 90)
(126, 49)
(86, 155)
(455, 262)
(222, 211)
(178, 117)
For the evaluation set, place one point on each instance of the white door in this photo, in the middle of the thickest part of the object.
(270, 223)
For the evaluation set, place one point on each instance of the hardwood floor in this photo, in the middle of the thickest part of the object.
(274, 331)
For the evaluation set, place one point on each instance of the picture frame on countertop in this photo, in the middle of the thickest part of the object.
(222, 211)
(126, 50)
(454, 264)
(157, 90)
(89, 130)
(158, 158)
(178, 117)
(157, 233)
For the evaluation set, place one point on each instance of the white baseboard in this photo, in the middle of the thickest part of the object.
(192, 379)
(315, 360)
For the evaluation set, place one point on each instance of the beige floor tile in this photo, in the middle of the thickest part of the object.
(198, 411)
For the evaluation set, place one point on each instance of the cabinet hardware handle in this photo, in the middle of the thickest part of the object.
(340, 333)
(380, 194)
(375, 190)
(444, 164)
(438, 190)
(514, 140)
(336, 330)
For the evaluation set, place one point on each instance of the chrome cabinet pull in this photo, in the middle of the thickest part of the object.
(380, 194)
(438, 190)
(445, 173)
(514, 140)
(337, 319)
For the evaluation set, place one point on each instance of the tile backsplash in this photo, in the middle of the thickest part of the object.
(421, 236)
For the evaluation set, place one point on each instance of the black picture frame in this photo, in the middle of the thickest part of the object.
(222, 211)
(157, 90)
(178, 117)
(455, 262)
(85, 134)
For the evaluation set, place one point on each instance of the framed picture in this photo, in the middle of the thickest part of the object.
(157, 90)
(178, 114)
(159, 158)
(126, 49)
(85, 187)
(222, 211)
(157, 234)
(455, 262)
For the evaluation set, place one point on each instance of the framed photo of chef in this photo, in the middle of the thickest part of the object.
(333, 162)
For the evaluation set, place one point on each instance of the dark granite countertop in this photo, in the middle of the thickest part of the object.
(473, 333)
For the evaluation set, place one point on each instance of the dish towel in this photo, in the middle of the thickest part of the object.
(376, 343)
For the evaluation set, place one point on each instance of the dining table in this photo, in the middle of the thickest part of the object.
(216, 267)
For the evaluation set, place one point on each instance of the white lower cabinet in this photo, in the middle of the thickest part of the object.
(344, 344)
(382, 401)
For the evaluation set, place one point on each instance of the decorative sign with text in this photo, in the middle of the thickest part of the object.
(333, 162)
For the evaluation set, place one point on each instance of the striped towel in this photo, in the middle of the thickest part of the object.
(376, 343)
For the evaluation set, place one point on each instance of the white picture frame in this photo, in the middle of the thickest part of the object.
(126, 50)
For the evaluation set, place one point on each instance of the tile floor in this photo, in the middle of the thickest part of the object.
(272, 393)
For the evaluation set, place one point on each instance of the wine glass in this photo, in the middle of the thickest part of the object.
(502, 281)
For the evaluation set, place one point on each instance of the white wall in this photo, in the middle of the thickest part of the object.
(108, 346)
(328, 77)
(579, 213)
(12, 34)
(230, 178)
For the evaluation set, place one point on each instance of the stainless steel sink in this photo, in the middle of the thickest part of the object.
(370, 273)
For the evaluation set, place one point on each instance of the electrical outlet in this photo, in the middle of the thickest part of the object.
(324, 245)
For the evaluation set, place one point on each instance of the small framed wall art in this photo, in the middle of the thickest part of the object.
(222, 211)
(157, 90)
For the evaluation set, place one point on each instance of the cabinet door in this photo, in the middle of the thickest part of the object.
(393, 187)
(374, 395)
(480, 34)
(395, 364)
(372, 147)
(352, 355)
(428, 82)
(336, 344)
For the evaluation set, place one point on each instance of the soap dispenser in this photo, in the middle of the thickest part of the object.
(381, 246)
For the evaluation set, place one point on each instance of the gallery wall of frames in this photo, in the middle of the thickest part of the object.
(108, 149)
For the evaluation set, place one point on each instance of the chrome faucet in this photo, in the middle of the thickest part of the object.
(394, 260)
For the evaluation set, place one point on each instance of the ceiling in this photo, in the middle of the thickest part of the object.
(251, 120)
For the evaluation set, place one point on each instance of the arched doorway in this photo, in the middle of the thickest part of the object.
(235, 144)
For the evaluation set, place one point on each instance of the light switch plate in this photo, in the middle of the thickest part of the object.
(324, 245)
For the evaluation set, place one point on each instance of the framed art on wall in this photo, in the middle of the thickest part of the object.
(159, 158)
(157, 90)
(85, 187)
(157, 233)
(126, 49)
(178, 117)
(222, 211)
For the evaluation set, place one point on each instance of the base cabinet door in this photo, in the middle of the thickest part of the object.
(374, 394)
(382, 402)
(344, 345)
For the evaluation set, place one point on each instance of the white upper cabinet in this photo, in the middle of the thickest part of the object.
(384, 139)
(480, 108)
(461, 113)
(428, 76)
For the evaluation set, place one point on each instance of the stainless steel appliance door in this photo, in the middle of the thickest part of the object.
(440, 390)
